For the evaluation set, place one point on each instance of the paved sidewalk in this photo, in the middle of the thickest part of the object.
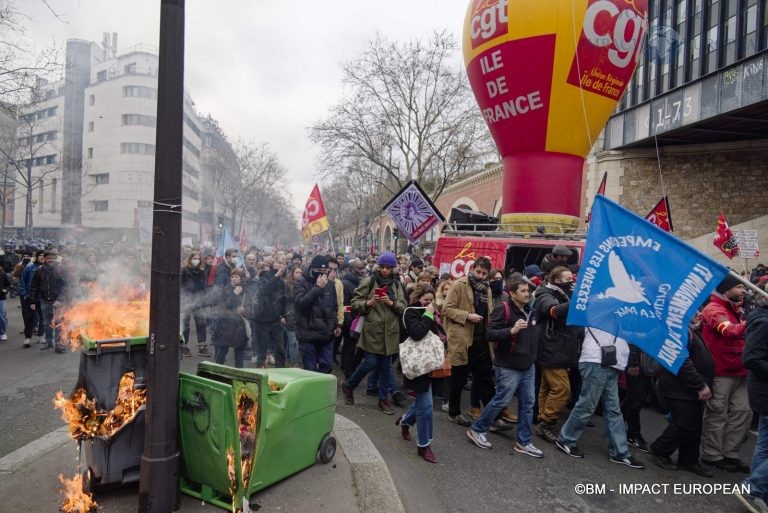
(357, 480)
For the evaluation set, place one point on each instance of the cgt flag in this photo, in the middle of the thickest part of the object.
(660, 215)
(724, 239)
(314, 220)
(641, 283)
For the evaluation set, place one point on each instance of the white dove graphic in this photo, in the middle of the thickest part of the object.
(625, 287)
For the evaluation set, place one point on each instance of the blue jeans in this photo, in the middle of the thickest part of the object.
(3, 317)
(220, 355)
(370, 362)
(758, 479)
(317, 357)
(389, 380)
(291, 347)
(420, 412)
(52, 334)
(511, 382)
(598, 384)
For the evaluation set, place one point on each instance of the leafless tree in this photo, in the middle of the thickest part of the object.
(20, 65)
(408, 115)
(259, 173)
(28, 159)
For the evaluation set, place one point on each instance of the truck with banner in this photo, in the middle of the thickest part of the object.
(457, 249)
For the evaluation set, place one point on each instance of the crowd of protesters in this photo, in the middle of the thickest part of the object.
(506, 334)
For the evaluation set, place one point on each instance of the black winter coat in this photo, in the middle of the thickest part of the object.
(315, 321)
(192, 281)
(518, 351)
(417, 325)
(558, 342)
(697, 370)
(47, 284)
(755, 359)
(266, 301)
(230, 326)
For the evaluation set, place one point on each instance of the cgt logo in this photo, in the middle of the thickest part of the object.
(605, 25)
(310, 211)
(463, 261)
(488, 21)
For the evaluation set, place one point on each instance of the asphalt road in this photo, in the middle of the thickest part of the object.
(470, 479)
(466, 479)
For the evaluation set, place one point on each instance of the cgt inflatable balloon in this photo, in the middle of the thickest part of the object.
(546, 75)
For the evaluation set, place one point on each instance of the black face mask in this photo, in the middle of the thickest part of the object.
(497, 287)
(567, 288)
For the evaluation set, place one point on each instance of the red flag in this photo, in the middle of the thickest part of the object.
(243, 239)
(600, 191)
(314, 219)
(724, 239)
(660, 215)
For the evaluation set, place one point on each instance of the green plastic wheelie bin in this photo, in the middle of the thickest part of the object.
(242, 430)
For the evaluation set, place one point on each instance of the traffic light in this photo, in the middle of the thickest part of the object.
(395, 234)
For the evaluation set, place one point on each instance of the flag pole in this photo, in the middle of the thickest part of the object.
(748, 284)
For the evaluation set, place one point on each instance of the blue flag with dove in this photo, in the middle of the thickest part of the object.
(640, 283)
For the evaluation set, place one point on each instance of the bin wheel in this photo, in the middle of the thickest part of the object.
(88, 484)
(327, 449)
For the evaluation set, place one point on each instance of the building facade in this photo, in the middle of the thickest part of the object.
(89, 146)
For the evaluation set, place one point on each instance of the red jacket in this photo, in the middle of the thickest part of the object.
(723, 328)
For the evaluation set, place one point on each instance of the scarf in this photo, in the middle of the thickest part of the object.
(479, 287)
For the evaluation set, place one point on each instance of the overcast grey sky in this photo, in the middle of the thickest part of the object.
(266, 69)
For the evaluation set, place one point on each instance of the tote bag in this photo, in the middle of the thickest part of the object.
(423, 356)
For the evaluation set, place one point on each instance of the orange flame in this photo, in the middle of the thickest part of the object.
(107, 314)
(247, 417)
(75, 499)
(86, 420)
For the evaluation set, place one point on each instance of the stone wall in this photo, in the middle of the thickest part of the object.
(700, 181)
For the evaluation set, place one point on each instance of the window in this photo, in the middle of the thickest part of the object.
(101, 206)
(39, 138)
(101, 76)
(51, 111)
(680, 49)
(139, 119)
(695, 43)
(101, 178)
(50, 136)
(191, 147)
(140, 92)
(50, 94)
(749, 28)
(130, 68)
(54, 185)
(90, 126)
(50, 159)
(90, 153)
(729, 32)
(137, 148)
(92, 100)
(191, 124)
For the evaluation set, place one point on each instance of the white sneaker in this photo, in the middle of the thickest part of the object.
(270, 359)
(3, 337)
(529, 449)
(27, 342)
(479, 439)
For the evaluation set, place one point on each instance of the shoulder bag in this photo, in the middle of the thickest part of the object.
(418, 357)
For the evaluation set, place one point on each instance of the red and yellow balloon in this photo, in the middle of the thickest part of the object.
(546, 75)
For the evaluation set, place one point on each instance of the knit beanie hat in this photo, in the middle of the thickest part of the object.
(319, 262)
(728, 283)
(387, 258)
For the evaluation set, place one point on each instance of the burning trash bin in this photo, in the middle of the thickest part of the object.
(105, 412)
(242, 430)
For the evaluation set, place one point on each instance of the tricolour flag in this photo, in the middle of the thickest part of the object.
(641, 283)
(660, 215)
(225, 242)
(412, 211)
(724, 239)
(314, 220)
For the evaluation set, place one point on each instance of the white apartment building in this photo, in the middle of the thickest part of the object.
(39, 145)
(119, 145)
(90, 142)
